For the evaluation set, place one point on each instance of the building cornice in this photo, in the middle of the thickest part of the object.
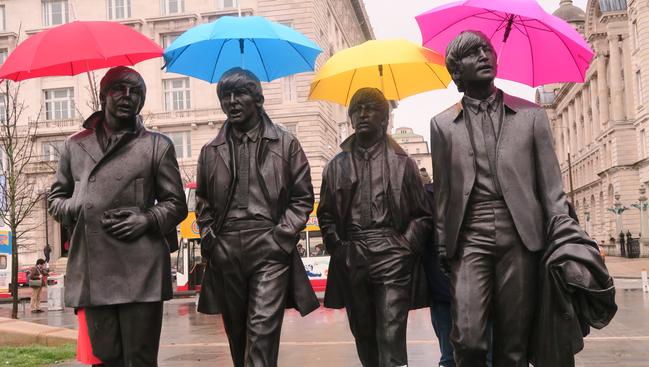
(363, 19)
(613, 16)
(224, 12)
(170, 18)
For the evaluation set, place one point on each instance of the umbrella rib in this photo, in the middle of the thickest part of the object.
(177, 57)
(434, 73)
(394, 81)
(299, 53)
(500, 26)
(260, 58)
(129, 59)
(529, 42)
(351, 81)
(451, 25)
(218, 56)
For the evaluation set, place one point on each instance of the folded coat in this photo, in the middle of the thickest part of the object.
(576, 292)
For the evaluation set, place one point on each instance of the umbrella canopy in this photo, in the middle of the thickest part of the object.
(533, 47)
(397, 67)
(78, 47)
(269, 50)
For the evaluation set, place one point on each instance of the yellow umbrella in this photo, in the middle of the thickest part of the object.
(398, 67)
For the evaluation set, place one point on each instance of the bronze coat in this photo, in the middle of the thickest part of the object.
(285, 177)
(137, 171)
(407, 203)
(526, 165)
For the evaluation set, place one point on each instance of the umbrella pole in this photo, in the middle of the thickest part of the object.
(508, 29)
(243, 65)
(381, 77)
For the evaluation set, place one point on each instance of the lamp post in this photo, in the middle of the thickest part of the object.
(617, 209)
(642, 205)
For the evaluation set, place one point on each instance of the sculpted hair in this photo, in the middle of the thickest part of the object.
(239, 78)
(459, 48)
(366, 95)
(118, 74)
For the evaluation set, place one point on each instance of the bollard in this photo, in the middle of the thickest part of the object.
(55, 293)
(645, 282)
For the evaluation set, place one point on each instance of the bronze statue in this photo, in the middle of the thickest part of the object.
(375, 220)
(254, 196)
(497, 182)
(118, 188)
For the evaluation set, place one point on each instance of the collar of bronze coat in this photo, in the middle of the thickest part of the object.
(268, 131)
(348, 144)
(98, 117)
(511, 106)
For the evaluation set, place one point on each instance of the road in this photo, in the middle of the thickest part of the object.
(323, 338)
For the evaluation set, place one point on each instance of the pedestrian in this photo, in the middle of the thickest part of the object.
(118, 185)
(425, 177)
(253, 198)
(300, 250)
(37, 282)
(375, 221)
(497, 184)
(47, 251)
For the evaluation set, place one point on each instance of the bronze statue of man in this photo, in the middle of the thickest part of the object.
(118, 189)
(497, 182)
(254, 196)
(375, 220)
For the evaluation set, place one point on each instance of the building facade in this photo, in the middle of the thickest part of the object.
(186, 109)
(415, 146)
(600, 125)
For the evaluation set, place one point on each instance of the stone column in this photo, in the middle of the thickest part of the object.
(629, 77)
(593, 105)
(602, 89)
(617, 87)
(561, 136)
(567, 135)
(572, 128)
(588, 121)
(578, 119)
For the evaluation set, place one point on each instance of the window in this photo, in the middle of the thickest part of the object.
(59, 103)
(3, 19)
(225, 4)
(638, 81)
(167, 39)
(173, 6)
(3, 55)
(643, 144)
(176, 92)
(119, 9)
(52, 150)
(289, 90)
(634, 29)
(55, 12)
(182, 143)
(3, 107)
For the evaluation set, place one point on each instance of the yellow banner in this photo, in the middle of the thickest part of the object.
(189, 227)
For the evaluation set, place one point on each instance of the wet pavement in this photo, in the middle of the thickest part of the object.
(323, 338)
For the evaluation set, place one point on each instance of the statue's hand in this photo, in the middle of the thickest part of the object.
(125, 224)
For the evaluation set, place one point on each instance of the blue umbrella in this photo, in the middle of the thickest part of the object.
(268, 49)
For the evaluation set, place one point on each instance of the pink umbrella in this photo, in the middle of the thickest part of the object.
(533, 46)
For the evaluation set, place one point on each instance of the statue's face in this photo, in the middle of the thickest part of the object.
(368, 118)
(124, 98)
(240, 106)
(479, 64)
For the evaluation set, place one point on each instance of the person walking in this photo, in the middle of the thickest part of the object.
(47, 251)
(37, 281)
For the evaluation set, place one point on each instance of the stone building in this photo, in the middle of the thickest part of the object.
(186, 109)
(600, 125)
(415, 146)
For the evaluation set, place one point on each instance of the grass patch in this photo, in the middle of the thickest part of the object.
(36, 355)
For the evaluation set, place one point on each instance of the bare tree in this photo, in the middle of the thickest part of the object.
(18, 183)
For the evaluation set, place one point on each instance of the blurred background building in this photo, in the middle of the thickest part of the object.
(600, 125)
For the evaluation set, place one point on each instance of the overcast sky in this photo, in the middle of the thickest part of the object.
(396, 19)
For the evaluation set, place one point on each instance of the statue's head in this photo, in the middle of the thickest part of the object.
(122, 92)
(369, 112)
(471, 59)
(241, 96)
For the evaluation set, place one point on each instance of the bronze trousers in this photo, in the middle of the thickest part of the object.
(127, 334)
(255, 275)
(493, 277)
(377, 298)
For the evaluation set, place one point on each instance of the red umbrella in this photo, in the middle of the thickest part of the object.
(78, 47)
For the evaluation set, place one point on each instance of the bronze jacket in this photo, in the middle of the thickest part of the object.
(407, 203)
(285, 177)
(526, 165)
(140, 170)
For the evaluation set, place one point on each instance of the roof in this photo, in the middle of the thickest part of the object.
(571, 13)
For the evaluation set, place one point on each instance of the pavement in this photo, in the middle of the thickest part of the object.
(323, 337)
